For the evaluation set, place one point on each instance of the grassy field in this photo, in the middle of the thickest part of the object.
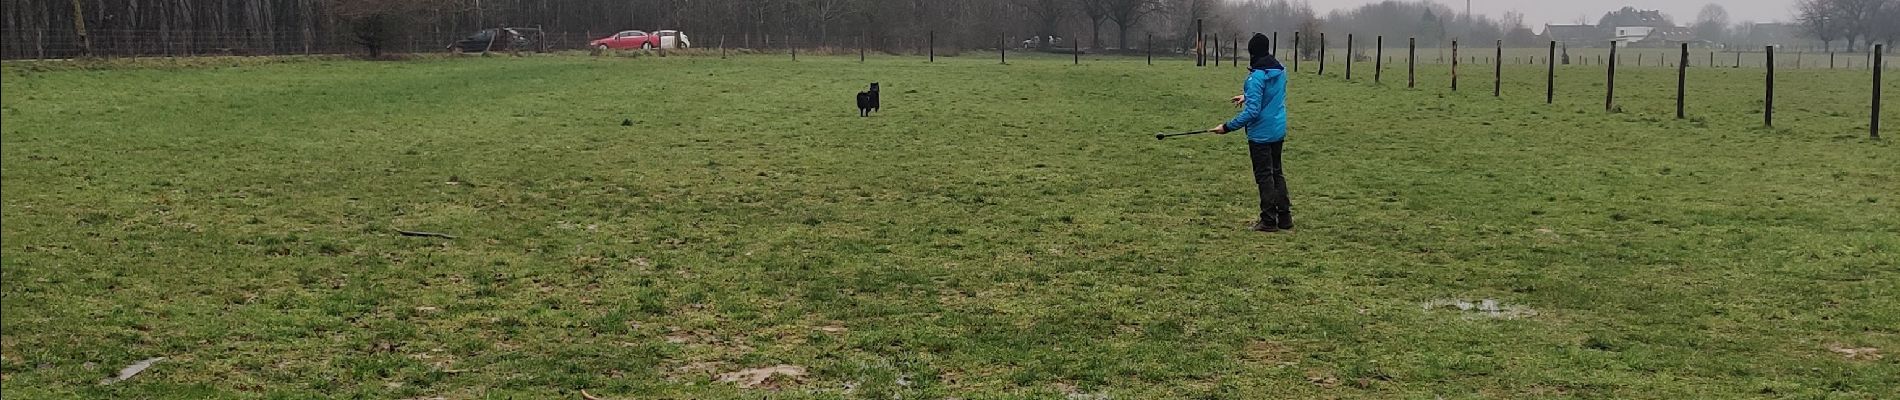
(996, 232)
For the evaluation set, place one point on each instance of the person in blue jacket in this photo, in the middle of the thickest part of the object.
(1263, 115)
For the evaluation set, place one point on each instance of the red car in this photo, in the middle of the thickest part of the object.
(627, 40)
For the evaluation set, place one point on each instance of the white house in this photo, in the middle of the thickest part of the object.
(1625, 35)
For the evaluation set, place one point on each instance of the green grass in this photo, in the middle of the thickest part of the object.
(997, 232)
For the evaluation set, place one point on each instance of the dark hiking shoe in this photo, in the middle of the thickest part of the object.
(1265, 226)
(1285, 220)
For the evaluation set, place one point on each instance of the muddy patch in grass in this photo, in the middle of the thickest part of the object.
(1856, 353)
(773, 377)
(1481, 309)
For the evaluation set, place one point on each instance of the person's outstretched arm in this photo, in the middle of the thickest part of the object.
(1250, 109)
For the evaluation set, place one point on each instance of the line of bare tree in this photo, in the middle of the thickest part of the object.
(60, 28)
(1432, 23)
(1854, 21)
(74, 27)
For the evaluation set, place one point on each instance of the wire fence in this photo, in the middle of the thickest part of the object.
(1488, 72)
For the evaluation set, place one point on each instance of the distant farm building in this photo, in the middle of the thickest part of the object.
(1628, 35)
(1577, 35)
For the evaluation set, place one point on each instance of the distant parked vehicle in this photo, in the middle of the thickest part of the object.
(674, 40)
(626, 40)
(497, 39)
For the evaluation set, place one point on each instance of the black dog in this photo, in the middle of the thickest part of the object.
(868, 101)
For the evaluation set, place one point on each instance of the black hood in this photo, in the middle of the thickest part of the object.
(1261, 48)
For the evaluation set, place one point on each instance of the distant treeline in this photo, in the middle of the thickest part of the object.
(71, 27)
(276, 26)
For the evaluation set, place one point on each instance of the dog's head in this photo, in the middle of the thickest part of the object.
(873, 86)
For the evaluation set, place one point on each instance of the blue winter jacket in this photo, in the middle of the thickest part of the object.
(1263, 114)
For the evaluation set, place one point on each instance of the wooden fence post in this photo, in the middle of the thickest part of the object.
(1216, 38)
(789, 45)
(1236, 53)
(1349, 56)
(1322, 53)
(1454, 65)
(1609, 88)
(1873, 126)
(722, 46)
(933, 46)
(1411, 63)
(1275, 44)
(1200, 44)
(1682, 78)
(1497, 78)
(1002, 49)
(1378, 60)
(1550, 75)
(1150, 47)
(1218, 55)
(1768, 101)
(1296, 51)
(1075, 50)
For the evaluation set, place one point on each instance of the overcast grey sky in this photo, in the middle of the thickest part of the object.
(1538, 12)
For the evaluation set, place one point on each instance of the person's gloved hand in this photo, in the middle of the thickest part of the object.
(1239, 100)
(1220, 129)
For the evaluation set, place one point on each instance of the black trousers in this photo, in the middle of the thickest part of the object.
(1268, 173)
